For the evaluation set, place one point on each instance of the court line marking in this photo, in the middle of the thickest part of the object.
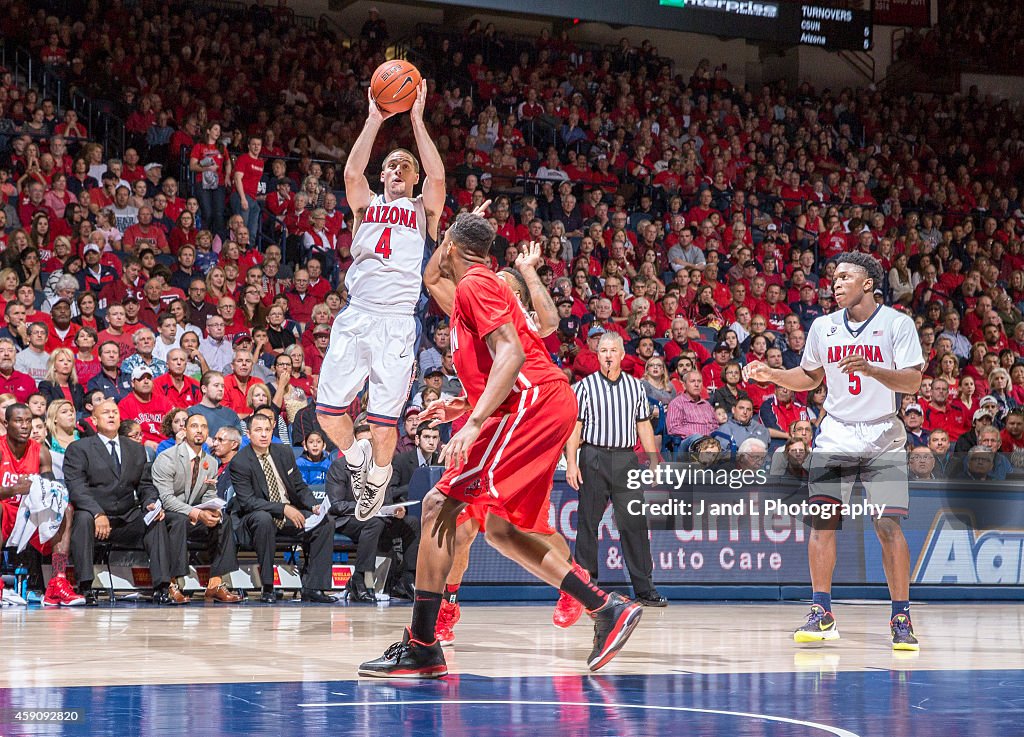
(836, 731)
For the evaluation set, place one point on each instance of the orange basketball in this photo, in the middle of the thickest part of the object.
(394, 85)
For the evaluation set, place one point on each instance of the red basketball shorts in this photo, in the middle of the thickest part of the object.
(512, 462)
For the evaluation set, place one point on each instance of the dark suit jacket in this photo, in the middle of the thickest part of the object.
(51, 391)
(404, 465)
(338, 485)
(250, 483)
(92, 482)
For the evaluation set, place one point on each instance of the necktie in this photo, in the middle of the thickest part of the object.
(195, 473)
(113, 454)
(273, 490)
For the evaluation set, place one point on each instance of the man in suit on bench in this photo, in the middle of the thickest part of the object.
(274, 503)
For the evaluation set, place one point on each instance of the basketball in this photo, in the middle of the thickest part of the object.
(394, 85)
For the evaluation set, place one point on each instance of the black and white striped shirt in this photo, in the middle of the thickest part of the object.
(610, 410)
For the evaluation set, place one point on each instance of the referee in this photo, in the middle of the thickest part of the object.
(614, 410)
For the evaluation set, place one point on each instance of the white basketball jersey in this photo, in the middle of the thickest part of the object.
(888, 339)
(387, 256)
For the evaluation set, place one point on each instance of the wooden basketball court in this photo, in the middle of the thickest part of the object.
(695, 669)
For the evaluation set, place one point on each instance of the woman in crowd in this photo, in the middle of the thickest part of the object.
(61, 382)
(731, 390)
(704, 312)
(61, 424)
(87, 364)
(949, 369)
(252, 307)
(86, 304)
(196, 365)
(660, 392)
(999, 387)
(966, 397)
(172, 427)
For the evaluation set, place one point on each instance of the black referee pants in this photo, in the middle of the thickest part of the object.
(604, 477)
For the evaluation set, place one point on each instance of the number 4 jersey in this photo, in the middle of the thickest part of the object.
(887, 339)
(388, 251)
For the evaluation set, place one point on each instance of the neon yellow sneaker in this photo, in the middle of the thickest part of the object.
(820, 626)
(903, 634)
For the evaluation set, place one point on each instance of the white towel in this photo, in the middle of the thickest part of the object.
(42, 510)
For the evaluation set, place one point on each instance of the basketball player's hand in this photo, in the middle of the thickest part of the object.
(457, 450)
(18, 488)
(420, 104)
(855, 363)
(102, 527)
(529, 257)
(573, 476)
(294, 516)
(482, 210)
(375, 113)
(756, 371)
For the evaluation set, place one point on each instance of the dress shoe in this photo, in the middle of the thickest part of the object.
(652, 599)
(317, 597)
(357, 591)
(401, 590)
(172, 596)
(268, 597)
(222, 594)
(176, 595)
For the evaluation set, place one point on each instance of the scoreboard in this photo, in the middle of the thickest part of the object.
(790, 23)
(778, 21)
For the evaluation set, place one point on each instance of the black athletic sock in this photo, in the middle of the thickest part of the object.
(451, 593)
(425, 608)
(584, 592)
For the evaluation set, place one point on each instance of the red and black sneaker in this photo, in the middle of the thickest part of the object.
(408, 659)
(613, 624)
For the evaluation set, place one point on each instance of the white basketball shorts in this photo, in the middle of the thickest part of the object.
(873, 451)
(367, 346)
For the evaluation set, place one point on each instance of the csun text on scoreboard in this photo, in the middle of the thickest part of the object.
(789, 23)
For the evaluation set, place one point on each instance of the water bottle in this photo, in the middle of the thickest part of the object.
(21, 581)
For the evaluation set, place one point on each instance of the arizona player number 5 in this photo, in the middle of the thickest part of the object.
(854, 384)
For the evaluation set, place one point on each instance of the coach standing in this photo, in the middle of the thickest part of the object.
(614, 411)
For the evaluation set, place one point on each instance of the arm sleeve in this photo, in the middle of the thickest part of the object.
(811, 358)
(485, 304)
(906, 347)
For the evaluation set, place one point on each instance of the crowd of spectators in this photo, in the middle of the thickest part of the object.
(696, 219)
(971, 35)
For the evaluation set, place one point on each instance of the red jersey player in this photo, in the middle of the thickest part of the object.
(20, 458)
(543, 319)
(522, 411)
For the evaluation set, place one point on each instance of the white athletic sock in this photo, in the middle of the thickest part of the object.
(378, 474)
(354, 456)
